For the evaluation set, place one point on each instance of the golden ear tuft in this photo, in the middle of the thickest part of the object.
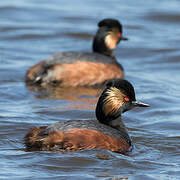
(113, 101)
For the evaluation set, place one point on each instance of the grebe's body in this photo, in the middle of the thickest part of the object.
(107, 132)
(83, 68)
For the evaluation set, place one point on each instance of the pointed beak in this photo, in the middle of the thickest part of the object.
(140, 104)
(124, 38)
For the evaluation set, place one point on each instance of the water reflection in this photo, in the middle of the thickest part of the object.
(32, 31)
(80, 97)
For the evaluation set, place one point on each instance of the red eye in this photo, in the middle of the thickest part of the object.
(119, 35)
(126, 99)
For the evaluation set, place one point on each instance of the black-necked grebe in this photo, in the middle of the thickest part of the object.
(83, 68)
(108, 132)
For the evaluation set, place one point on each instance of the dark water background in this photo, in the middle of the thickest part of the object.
(31, 30)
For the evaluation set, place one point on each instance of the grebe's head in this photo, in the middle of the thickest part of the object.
(108, 36)
(114, 31)
(118, 97)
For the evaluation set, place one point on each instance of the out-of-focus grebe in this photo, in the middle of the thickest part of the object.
(82, 68)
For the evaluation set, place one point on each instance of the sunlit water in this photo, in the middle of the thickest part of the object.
(31, 30)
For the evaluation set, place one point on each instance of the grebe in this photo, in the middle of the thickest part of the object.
(107, 132)
(82, 68)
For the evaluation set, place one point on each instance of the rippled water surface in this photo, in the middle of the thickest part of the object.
(31, 30)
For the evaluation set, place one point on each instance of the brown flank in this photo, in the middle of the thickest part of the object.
(74, 140)
(79, 73)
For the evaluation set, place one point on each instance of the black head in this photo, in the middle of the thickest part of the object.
(111, 23)
(117, 97)
(108, 36)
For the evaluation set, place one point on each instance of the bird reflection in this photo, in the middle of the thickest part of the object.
(80, 97)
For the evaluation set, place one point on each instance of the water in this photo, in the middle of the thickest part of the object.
(31, 30)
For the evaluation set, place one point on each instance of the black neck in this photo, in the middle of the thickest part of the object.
(99, 43)
(119, 125)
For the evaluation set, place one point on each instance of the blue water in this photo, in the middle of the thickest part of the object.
(32, 30)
